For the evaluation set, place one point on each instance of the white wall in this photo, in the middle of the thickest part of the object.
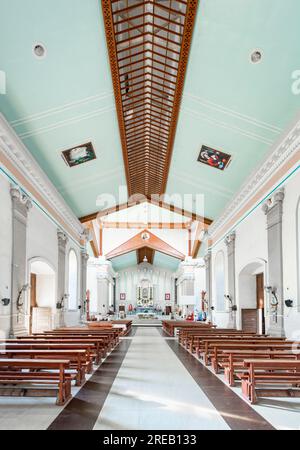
(5, 252)
(45, 291)
(72, 316)
(251, 247)
(291, 269)
(162, 280)
(41, 244)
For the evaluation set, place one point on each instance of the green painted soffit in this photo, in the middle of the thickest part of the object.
(229, 103)
(124, 261)
(66, 99)
(165, 261)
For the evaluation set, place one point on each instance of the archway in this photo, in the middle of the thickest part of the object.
(251, 297)
(42, 295)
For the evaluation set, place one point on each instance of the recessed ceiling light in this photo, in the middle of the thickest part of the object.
(39, 51)
(256, 56)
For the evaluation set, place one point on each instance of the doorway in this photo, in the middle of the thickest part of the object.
(260, 302)
(251, 296)
(42, 296)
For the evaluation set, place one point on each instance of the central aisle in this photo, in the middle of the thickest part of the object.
(153, 390)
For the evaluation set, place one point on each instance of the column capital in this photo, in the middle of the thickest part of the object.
(62, 239)
(207, 259)
(86, 235)
(230, 238)
(275, 200)
(19, 198)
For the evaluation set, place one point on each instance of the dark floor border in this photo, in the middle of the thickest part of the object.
(163, 333)
(83, 410)
(235, 411)
(132, 332)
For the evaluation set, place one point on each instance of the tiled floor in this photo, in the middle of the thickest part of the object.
(150, 382)
(153, 390)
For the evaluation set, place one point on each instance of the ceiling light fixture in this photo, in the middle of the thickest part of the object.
(145, 259)
(256, 56)
(39, 51)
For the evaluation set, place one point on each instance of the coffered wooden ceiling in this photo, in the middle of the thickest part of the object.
(148, 44)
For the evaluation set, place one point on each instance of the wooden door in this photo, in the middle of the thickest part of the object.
(260, 301)
(33, 302)
(249, 320)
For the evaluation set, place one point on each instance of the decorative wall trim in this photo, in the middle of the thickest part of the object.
(14, 151)
(280, 154)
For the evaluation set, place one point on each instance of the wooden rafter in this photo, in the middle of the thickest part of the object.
(158, 225)
(183, 212)
(197, 241)
(94, 244)
(148, 45)
(138, 241)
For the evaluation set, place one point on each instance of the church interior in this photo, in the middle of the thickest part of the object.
(150, 215)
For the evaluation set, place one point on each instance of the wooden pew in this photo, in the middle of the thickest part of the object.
(212, 350)
(13, 379)
(193, 342)
(270, 378)
(169, 326)
(111, 337)
(98, 347)
(233, 360)
(78, 359)
(187, 333)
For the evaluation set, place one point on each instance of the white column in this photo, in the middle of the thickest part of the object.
(273, 210)
(21, 204)
(230, 243)
(62, 240)
(208, 285)
(103, 293)
(84, 259)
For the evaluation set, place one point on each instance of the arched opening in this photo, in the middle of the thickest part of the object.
(42, 296)
(251, 295)
(72, 281)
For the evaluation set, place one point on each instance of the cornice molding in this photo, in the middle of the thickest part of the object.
(289, 144)
(19, 156)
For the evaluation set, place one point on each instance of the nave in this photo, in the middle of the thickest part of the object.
(149, 381)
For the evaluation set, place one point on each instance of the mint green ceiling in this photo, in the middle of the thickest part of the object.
(230, 103)
(165, 261)
(123, 261)
(66, 99)
(160, 260)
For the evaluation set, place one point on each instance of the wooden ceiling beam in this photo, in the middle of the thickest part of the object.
(93, 242)
(151, 200)
(150, 225)
(170, 36)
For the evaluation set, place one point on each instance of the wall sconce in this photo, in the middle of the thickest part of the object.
(60, 305)
(273, 301)
(289, 303)
(19, 304)
(5, 301)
